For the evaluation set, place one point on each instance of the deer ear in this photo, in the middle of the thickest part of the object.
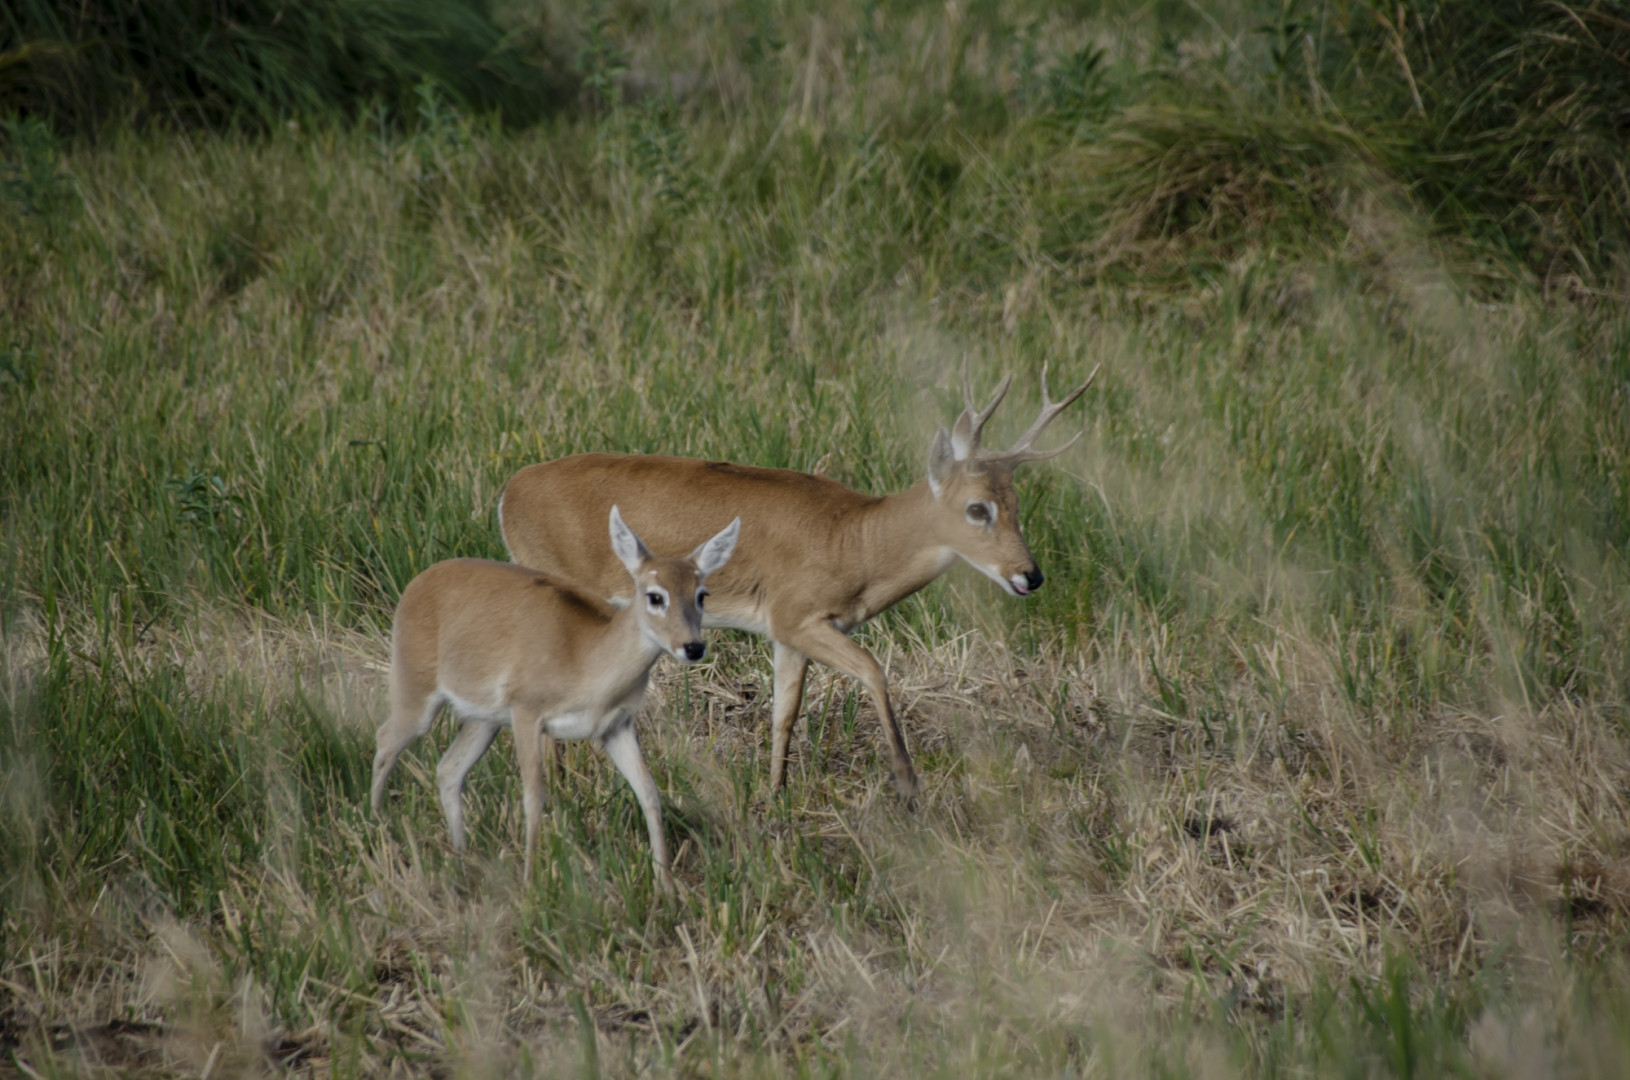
(628, 547)
(941, 460)
(715, 552)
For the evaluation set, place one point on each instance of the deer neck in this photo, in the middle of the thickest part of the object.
(632, 654)
(901, 536)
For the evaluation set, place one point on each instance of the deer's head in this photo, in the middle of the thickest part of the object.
(973, 487)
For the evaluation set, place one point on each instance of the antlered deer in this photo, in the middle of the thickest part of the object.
(508, 646)
(818, 558)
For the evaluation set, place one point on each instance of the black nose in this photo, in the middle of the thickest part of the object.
(694, 651)
(1033, 578)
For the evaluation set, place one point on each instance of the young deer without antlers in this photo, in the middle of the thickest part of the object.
(504, 645)
(820, 559)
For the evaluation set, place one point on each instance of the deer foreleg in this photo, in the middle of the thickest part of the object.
(791, 666)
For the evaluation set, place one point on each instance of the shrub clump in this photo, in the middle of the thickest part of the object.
(1521, 117)
(216, 62)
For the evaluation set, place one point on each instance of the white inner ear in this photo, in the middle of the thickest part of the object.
(629, 549)
(718, 549)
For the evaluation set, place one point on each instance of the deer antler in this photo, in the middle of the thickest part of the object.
(965, 435)
(1020, 451)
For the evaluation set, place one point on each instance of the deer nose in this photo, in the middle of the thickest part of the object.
(1033, 578)
(694, 651)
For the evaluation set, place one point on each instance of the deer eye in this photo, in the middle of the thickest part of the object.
(979, 513)
(701, 598)
(656, 600)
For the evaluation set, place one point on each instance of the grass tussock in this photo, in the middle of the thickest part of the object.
(1182, 183)
(1309, 759)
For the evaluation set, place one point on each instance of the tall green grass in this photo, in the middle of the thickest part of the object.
(438, 318)
(1212, 127)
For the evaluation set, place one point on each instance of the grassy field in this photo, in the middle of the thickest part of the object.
(1311, 758)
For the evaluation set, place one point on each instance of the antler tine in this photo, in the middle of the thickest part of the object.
(965, 436)
(967, 389)
(1017, 456)
(996, 399)
(1020, 451)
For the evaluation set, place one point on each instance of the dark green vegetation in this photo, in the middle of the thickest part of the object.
(1310, 758)
(94, 63)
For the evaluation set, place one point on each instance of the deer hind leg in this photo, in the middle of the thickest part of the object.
(623, 747)
(790, 668)
(824, 643)
(472, 740)
(412, 712)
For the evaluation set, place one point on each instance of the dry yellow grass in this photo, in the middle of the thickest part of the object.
(1082, 865)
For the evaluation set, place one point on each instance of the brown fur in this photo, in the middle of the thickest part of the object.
(509, 646)
(817, 559)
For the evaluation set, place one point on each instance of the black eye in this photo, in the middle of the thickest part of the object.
(979, 513)
(701, 598)
(654, 599)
